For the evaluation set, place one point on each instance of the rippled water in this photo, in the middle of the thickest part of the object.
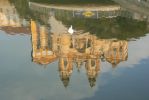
(106, 57)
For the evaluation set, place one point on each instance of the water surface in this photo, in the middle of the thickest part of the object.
(105, 58)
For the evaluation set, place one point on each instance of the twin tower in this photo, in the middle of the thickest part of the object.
(80, 50)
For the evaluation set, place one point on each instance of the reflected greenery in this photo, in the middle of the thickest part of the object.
(22, 7)
(120, 27)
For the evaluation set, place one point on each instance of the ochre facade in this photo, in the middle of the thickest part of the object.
(78, 49)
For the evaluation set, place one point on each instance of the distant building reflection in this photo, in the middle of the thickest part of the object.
(10, 20)
(80, 49)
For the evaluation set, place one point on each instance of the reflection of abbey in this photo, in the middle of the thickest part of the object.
(80, 49)
(10, 20)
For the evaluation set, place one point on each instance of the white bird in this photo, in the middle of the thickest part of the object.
(70, 30)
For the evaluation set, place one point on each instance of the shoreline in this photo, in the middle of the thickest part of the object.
(77, 7)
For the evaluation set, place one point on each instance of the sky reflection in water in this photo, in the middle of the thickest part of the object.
(26, 75)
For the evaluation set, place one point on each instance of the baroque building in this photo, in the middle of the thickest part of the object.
(79, 49)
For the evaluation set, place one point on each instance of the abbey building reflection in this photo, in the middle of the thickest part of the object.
(42, 54)
(82, 50)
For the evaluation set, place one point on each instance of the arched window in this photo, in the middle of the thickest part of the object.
(114, 51)
(93, 63)
(65, 63)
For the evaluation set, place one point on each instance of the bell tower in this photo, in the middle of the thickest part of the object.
(92, 68)
(65, 69)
